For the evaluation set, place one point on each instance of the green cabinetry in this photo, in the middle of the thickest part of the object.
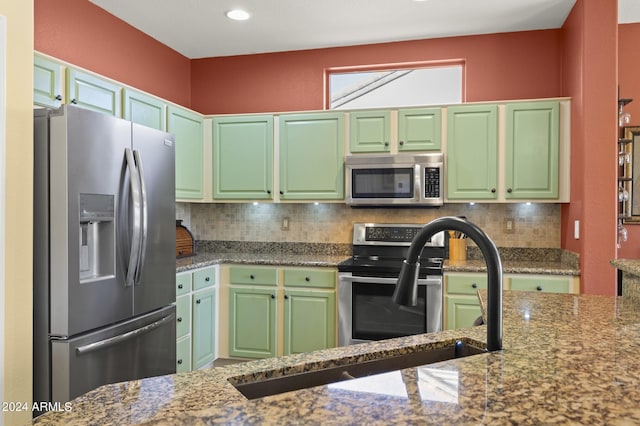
(312, 156)
(243, 157)
(419, 129)
(252, 312)
(47, 86)
(280, 311)
(144, 109)
(543, 283)
(532, 150)
(369, 131)
(472, 152)
(187, 127)
(461, 305)
(196, 318)
(92, 92)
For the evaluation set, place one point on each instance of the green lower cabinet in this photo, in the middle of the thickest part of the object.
(204, 321)
(309, 320)
(183, 354)
(541, 284)
(183, 315)
(252, 322)
(461, 299)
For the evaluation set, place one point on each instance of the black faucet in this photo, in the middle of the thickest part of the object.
(406, 289)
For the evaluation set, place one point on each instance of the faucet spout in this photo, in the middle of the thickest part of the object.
(406, 288)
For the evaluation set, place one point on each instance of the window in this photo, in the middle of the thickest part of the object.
(429, 84)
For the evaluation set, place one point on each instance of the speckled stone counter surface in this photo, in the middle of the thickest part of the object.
(630, 277)
(521, 261)
(268, 253)
(567, 359)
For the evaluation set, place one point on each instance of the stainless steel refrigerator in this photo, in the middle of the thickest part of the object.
(104, 252)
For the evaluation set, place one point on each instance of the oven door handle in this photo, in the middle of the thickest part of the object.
(379, 280)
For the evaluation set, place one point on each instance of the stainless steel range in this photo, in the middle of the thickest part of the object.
(366, 283)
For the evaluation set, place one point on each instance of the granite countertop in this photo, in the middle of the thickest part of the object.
(514, 267)
(631, 266)
(567, 359)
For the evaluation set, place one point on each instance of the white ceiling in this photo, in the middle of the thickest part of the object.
(199, 28)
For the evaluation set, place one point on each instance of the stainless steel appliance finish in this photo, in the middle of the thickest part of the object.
(366, 283)
(395, 180)
(104, 252)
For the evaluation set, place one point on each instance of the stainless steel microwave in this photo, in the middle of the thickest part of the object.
(395, 180)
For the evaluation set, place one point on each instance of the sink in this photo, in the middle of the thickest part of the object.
(308, 379)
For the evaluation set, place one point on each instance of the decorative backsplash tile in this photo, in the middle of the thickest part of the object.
(535, 225)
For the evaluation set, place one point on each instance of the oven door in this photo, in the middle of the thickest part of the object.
(367, 312)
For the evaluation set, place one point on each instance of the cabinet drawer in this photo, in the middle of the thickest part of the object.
(309, 278)
(183, 283)
(541, 284)
(204, 278)
(254, 276)
(183, 355)
(183, 315)
(466, 284)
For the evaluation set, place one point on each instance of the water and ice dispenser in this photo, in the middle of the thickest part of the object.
(97, 236)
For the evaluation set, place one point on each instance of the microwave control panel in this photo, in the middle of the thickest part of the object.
(431, 182)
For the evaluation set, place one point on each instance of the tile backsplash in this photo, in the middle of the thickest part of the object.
(535, 225)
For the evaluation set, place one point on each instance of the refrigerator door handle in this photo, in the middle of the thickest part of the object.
(144, 219)
(136, 235)
(102, 344)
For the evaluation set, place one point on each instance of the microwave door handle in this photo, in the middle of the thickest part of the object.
(417, 182)
(135, 237)
(144, 218)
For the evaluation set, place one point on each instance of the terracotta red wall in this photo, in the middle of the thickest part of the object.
(85, 35)
(498, 66)
(628, 66)
(590, 78)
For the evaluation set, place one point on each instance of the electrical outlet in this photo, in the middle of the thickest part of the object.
(509, 225)
(285, 223)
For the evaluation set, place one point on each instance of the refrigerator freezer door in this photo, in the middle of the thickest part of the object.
(87, 172)
(138, 348)
(155, 283)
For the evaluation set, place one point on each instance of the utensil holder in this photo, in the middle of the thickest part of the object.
(457, 249)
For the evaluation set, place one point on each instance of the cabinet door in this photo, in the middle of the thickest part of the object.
(252, 322)
(419, 129)
(312, 156)
(472, 152)
(95, 93)
(532, 150)
(204, 327)
(144, 109)
(462, 311)
(309, 320)
(47, 75)
(369, 131)
(243, 157)
(187, 128)
(183, 315)
(183, 354)
(204, 278)
(541, 284)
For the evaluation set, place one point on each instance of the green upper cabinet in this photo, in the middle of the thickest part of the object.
(472, 152)
(532, 150)
(419, 129)
(369, 131)
(144, 109)
(47, 87)
(312, 156)
(187, 128)
(92, 92)
(243, 157)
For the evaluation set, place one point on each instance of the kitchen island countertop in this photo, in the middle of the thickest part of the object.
(567, 359)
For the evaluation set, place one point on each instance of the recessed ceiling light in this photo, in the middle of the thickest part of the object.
(238, 15)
